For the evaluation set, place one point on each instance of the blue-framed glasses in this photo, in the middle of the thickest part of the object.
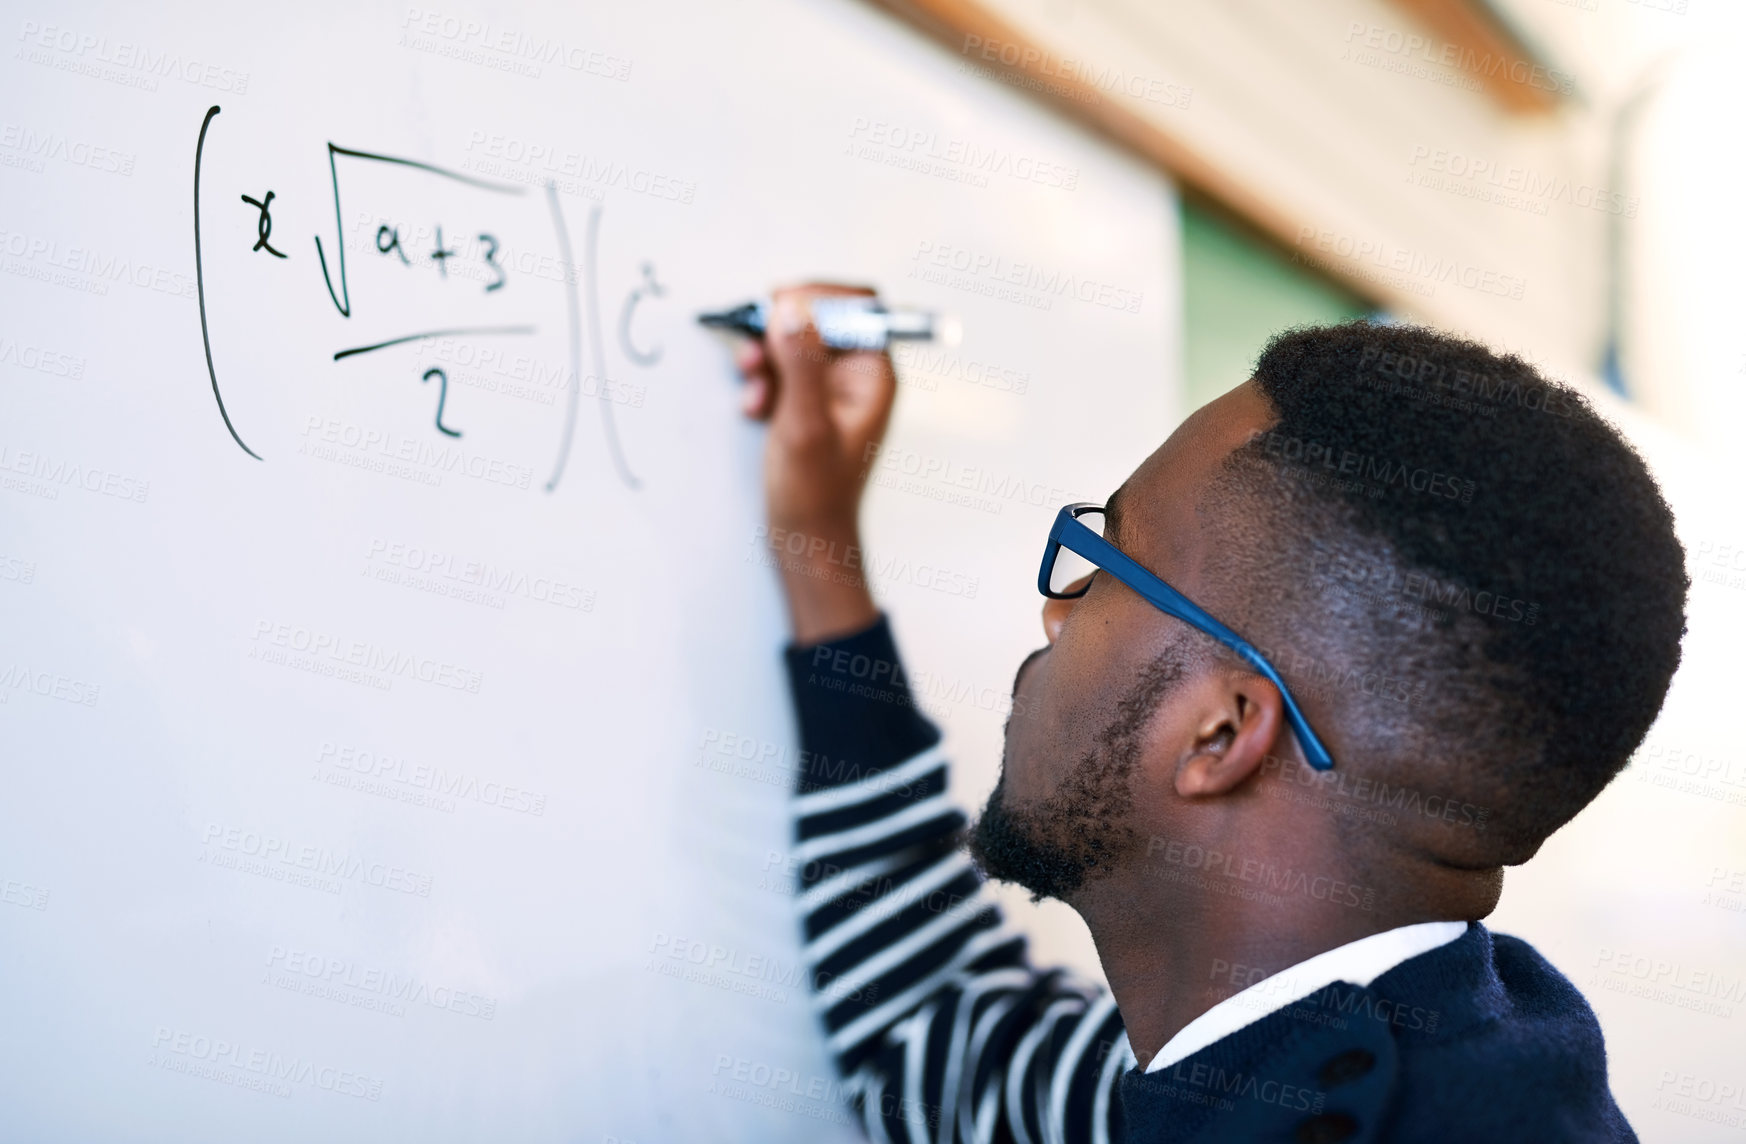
(1077, 548)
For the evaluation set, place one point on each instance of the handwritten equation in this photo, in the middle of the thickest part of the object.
(469, 262)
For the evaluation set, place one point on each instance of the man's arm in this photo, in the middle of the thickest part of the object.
(930, 1006)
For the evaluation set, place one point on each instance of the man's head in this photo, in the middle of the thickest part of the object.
(1468, 580)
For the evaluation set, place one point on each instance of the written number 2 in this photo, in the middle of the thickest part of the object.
(442, 399)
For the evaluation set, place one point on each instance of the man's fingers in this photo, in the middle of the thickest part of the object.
(755, 398)
(758, 394)
(797, 357)
(863, 388)
(749, 357)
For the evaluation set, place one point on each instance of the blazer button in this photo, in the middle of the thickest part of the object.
(1348, 1066)
(1328, 1128)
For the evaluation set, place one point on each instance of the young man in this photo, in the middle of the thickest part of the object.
(1364, 631)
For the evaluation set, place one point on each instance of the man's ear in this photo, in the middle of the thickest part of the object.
(1240, 723)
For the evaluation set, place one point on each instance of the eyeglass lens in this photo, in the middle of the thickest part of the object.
(1070, 567)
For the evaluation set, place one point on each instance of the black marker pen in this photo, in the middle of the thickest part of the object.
(852, 322)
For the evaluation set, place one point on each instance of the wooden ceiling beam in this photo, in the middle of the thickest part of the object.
(969, 29)
(1476, 42)
(1472, 40)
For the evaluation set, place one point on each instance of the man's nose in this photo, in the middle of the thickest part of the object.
(1055, 612)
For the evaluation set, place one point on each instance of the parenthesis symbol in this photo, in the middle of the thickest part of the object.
(649, 288)
(200, 287)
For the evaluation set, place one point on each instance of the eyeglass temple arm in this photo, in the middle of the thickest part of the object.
(1166, 599)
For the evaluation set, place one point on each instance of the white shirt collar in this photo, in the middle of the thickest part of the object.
(1359, 962)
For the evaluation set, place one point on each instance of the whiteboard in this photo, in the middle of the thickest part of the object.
(393, 736)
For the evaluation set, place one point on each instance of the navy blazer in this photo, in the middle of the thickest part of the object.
(1479, 1039)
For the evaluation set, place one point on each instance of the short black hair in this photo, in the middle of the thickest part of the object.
(1474, 568)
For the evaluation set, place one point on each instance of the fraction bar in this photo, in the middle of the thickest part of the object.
(434, 334)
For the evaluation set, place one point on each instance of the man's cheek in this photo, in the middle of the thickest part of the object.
(1033, 730)
(1020, 677)
(1016, 752)
(1033, 716)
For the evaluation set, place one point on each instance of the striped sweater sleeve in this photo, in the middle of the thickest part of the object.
(942, 1028)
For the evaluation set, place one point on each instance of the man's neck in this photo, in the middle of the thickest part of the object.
(1172, 957)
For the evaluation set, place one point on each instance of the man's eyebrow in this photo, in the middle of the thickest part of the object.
(1112, 520)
